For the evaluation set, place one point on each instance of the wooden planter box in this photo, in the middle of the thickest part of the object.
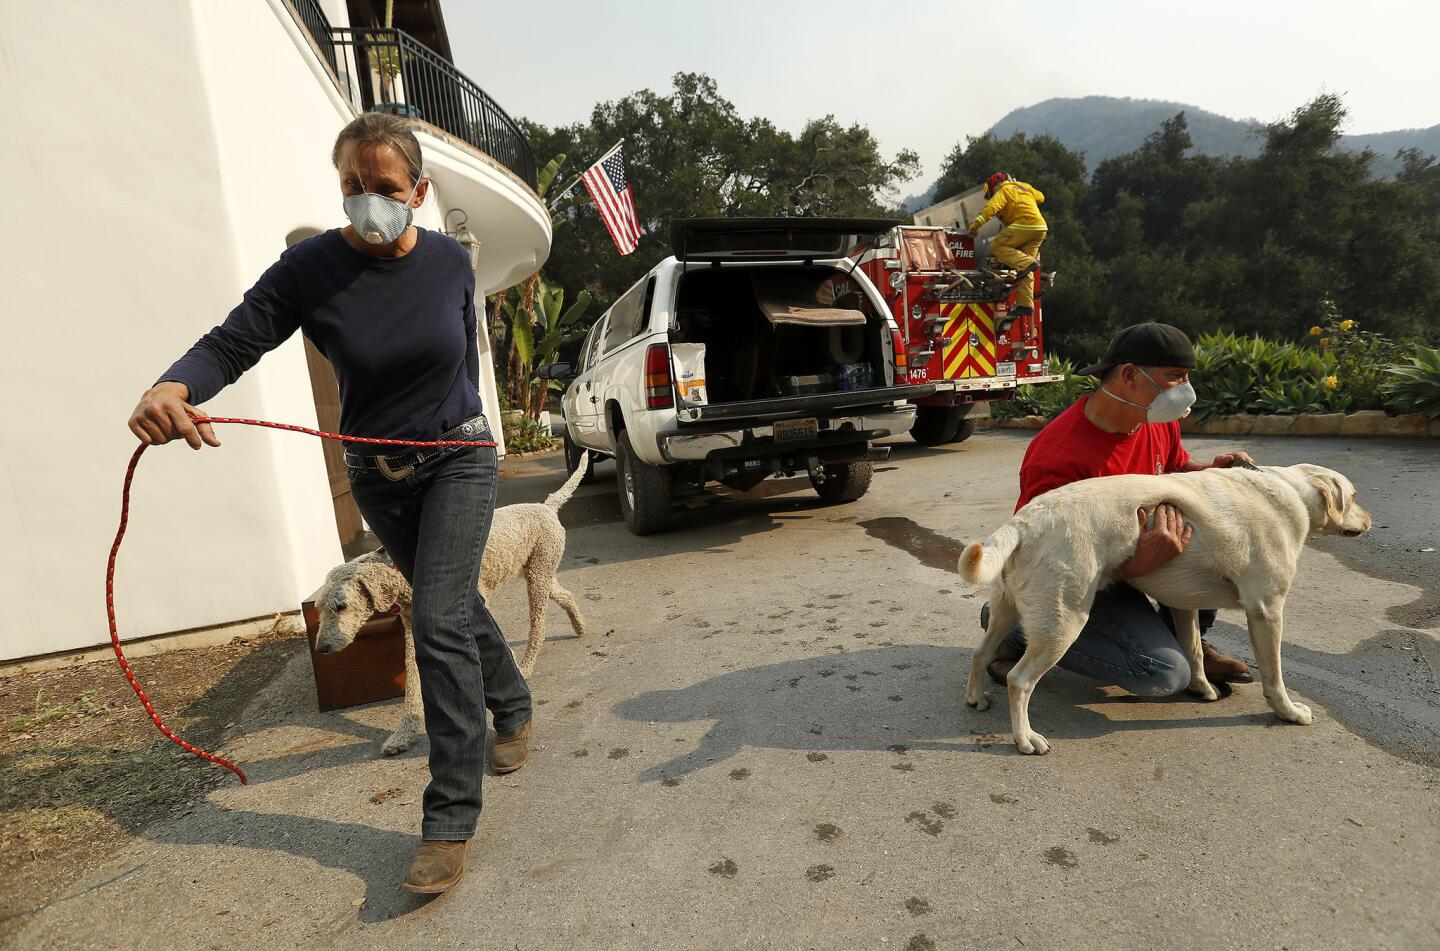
(371, 669)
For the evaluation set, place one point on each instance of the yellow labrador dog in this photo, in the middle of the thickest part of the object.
(1045, 565)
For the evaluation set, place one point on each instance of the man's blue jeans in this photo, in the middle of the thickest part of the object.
(1126, 643)
(434, 524)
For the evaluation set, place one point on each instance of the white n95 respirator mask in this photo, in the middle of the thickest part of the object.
(1168, 406)
(378, 219)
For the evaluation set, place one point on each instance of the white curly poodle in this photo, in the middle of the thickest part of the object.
(525, 539)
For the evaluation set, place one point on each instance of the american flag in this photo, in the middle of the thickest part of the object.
(607, 184)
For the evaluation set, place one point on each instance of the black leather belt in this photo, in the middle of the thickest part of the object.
(399, 465)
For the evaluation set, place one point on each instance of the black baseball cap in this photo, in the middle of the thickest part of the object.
(1148, 345)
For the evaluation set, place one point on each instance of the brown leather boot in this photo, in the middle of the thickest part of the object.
(511, 750)
(1222, 669)
(436, 866)
(1005, 660)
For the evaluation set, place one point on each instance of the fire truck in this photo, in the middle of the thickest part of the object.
(955, 324)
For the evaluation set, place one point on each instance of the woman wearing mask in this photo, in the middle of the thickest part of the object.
(392, 307)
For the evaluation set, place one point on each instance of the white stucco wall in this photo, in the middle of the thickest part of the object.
(159, 158)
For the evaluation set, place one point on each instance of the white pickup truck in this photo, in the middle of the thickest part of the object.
(757, 349)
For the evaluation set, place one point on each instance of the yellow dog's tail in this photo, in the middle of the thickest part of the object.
(979, 564)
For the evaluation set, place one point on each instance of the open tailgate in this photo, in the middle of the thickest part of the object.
(815, 404)
(771, 239)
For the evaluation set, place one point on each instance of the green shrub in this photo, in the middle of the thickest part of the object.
(1253, 375)
(1301, 396)
(1226, 376)
(523, 434)
(1417, 389)
(1341, 368)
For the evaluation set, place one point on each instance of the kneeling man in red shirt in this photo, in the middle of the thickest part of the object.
(1128, 426)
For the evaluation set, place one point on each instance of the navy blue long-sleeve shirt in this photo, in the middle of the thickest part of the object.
(400, 333)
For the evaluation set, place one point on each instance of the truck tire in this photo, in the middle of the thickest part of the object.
(937, 424)
(844, 481)
(966, 430)
(644, 489)
(573, 456)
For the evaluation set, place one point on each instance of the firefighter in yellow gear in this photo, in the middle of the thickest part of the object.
(1017, 205)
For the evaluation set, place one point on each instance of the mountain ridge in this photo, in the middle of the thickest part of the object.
(1105, 126)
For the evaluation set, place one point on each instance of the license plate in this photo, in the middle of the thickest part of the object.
(791, 430)
(1005, 369)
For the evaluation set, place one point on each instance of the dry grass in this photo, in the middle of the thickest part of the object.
(83, 770)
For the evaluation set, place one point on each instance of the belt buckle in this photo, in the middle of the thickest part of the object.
(394, 475)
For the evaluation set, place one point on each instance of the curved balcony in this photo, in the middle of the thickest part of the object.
(475, 153)
(393, 72)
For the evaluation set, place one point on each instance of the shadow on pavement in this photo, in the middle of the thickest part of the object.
(896, 699)
(905, 448)
(1383, 691)
(377, 857)
(270, 751)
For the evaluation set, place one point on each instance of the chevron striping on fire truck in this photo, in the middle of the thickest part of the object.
(969, 341)
(953, 314)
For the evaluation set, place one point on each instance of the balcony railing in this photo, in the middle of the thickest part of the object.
(318, 24)
(387, 70)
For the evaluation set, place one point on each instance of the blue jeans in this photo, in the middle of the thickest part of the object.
(434, 523)
(1126, 643)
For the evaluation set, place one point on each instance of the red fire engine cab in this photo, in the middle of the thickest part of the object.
(955, 325)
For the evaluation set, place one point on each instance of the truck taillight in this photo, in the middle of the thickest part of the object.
(658, 391)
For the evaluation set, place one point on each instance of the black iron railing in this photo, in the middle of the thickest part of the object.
(389, 70)
(318, 24)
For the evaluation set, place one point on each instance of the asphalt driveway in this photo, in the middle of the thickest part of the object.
(762, 744)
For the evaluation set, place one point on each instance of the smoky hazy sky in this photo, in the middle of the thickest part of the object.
(923, 74)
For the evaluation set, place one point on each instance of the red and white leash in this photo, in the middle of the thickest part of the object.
(120, 535)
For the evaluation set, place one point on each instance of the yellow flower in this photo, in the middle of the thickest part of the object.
(1332, 382)
(1324, 341)
(1346, 324)
(1314, 331)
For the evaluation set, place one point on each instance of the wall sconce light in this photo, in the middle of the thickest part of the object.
(463, 234)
